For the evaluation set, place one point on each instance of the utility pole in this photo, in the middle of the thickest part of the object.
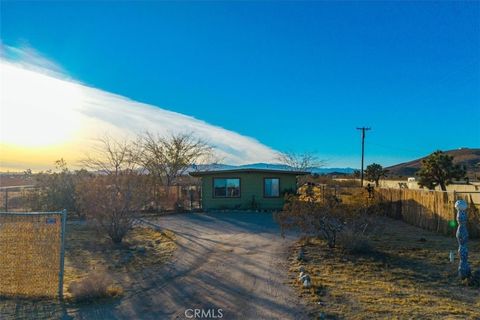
(363, 151)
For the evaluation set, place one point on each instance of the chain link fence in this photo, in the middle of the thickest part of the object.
(17, 198)
(32, 250)
(31, 198)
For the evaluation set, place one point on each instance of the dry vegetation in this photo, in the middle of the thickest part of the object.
(94, 287)
(89, 254)
(406, 274)
(97, 270)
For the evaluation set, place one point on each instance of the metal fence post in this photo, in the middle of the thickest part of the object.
(464, 270)
(190, 191)
(6, 199)
(62, 255)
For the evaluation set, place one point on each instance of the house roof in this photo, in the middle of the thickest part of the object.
(247, 170)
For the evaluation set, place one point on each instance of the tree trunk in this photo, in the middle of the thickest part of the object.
(443, 186)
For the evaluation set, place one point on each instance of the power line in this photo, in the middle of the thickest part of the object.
(363, 151)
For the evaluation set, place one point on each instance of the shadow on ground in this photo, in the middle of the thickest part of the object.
(236, 262)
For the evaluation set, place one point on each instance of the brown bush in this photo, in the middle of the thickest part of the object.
(113, 202)
(311, 218)
(354, 242)
(93, 287)
(314, 214)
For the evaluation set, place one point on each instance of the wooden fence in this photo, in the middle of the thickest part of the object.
(431, 210)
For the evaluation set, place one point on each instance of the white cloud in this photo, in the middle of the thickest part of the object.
(31, 59)
(42, 109)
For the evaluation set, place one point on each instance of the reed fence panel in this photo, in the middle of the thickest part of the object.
(31, 254)
(431, 210)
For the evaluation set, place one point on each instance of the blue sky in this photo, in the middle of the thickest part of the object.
(295, 76)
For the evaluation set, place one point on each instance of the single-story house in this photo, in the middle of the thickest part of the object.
(257, 189)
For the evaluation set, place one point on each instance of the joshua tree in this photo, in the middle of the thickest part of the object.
(375, 172)
(438, 169)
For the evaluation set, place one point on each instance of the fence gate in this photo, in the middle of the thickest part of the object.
(32, 251)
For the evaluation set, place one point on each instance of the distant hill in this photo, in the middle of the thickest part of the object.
(464, 156)
(319, 170)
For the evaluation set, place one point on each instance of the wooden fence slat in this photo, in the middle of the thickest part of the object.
(431, 210)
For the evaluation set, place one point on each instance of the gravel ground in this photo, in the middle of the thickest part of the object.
(236, 262)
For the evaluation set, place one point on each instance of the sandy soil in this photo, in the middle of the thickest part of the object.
(236, 262)
(407, 274)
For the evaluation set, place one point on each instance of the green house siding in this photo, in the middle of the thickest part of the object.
(251, 191)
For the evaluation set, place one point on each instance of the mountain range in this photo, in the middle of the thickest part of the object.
(468, 157)
(274, 166)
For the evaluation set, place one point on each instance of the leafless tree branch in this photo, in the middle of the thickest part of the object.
(300, 161)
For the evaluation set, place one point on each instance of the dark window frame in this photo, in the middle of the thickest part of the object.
(227, 197)
(279, 187)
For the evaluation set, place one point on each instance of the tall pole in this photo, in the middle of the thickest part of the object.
(363, 151)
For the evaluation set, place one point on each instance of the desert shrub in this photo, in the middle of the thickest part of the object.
(55, 190)
(311, 219)
(93, 287)
(112, 202)
(354, 242)
(328, 215)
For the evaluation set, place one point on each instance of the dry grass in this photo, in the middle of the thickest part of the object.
(88, 252)
(354, 242)
(30, 250)
(94, 287)
(408, 276)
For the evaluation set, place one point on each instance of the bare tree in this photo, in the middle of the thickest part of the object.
(300, 161)
(112, 156)
(170, 157)
(209, 161)
(113, 198)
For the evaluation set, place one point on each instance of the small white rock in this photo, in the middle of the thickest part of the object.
(306, 283)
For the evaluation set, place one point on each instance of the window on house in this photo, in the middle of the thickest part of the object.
(226, 188)
(272, 187)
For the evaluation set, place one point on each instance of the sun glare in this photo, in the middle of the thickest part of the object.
(36, 110)
(44, 117)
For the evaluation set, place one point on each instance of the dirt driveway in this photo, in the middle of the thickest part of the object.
(230, 261)
(235, 262)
